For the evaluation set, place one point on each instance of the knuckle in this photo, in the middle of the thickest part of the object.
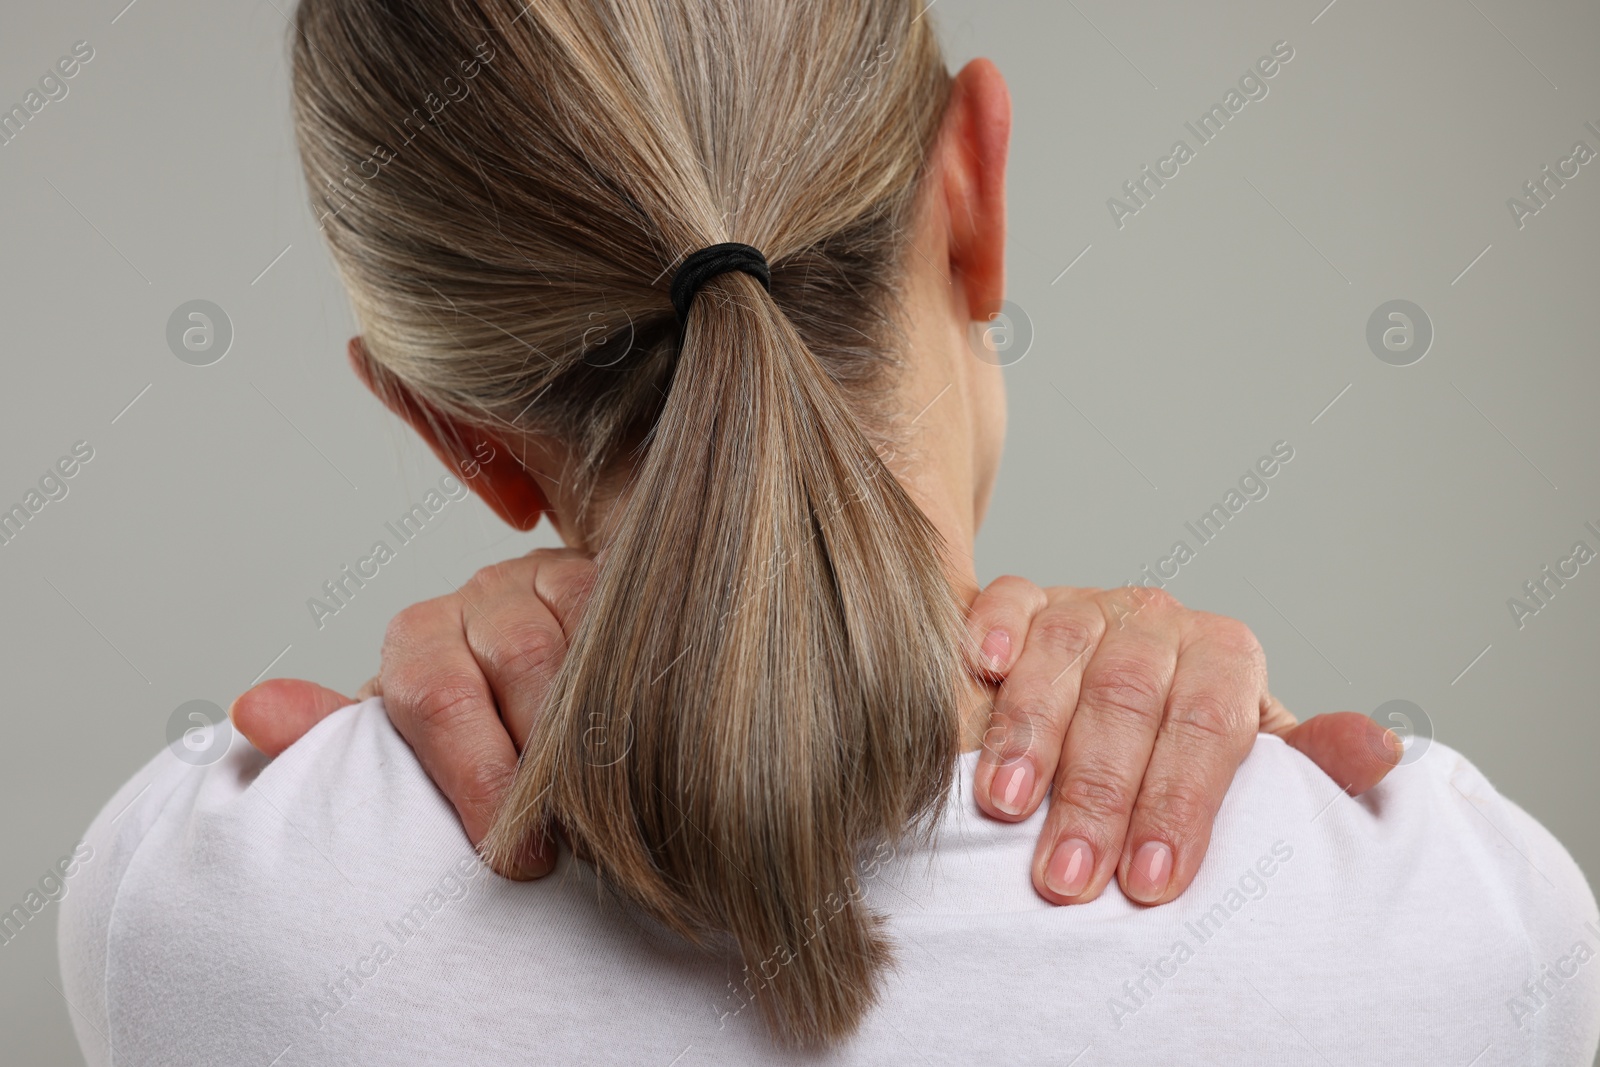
(1155, 597)
(531, 650)
(441, 704)
(1010, 591)
(569, 582)
(1180, 810)
(1066, 635)
(409, 635)
(405, 626)
(1097, 793)
(1010, 584)
(1025, 720)
(495, 575)
(1130, 688)
(1208, 719)
(482, 783)
(1129, 600)
(1132, 604)
(1233, 636)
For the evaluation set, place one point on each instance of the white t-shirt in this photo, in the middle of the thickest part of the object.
(326, 908)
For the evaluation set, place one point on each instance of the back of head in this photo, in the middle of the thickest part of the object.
(763, 684)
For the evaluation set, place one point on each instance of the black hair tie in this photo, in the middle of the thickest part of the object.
(700, 267)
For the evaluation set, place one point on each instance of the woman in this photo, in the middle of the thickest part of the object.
(752, 740)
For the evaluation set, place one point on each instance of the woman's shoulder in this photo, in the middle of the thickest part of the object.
(1434, 847)
(1434, 813)
(206, 805)
(1436, 794)
(1459, 886)
(211, 884)
(328, 901)
(1431, 900)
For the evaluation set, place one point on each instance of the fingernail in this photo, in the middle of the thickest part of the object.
(1012, 786)
(1397, 747)
(532, 859)
(1150, 872)
(1069, 867)
(996, 649)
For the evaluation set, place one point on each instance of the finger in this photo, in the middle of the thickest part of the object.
(563, 581)
(1113, 731)
(1275, 718)
(1352, 749)
(1210, 725)
(441, 703)
(372, 687)
(998, 623)
(517, 641)
(1034, 707)
(278, 712)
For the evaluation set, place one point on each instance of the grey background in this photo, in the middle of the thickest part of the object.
(1225, 316)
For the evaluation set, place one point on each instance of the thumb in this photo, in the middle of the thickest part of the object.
(1352, 749)
(277, 713)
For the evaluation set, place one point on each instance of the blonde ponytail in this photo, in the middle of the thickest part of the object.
(763, 684)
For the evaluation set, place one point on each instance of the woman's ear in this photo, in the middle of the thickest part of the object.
(974, 143)
(480, 459)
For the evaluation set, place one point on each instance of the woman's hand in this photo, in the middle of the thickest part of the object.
(462, 676)
(1137, 709)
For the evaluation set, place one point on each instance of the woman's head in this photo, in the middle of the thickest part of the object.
(764, 683)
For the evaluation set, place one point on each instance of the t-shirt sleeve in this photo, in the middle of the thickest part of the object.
(1555, 1006)
(103, 858)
